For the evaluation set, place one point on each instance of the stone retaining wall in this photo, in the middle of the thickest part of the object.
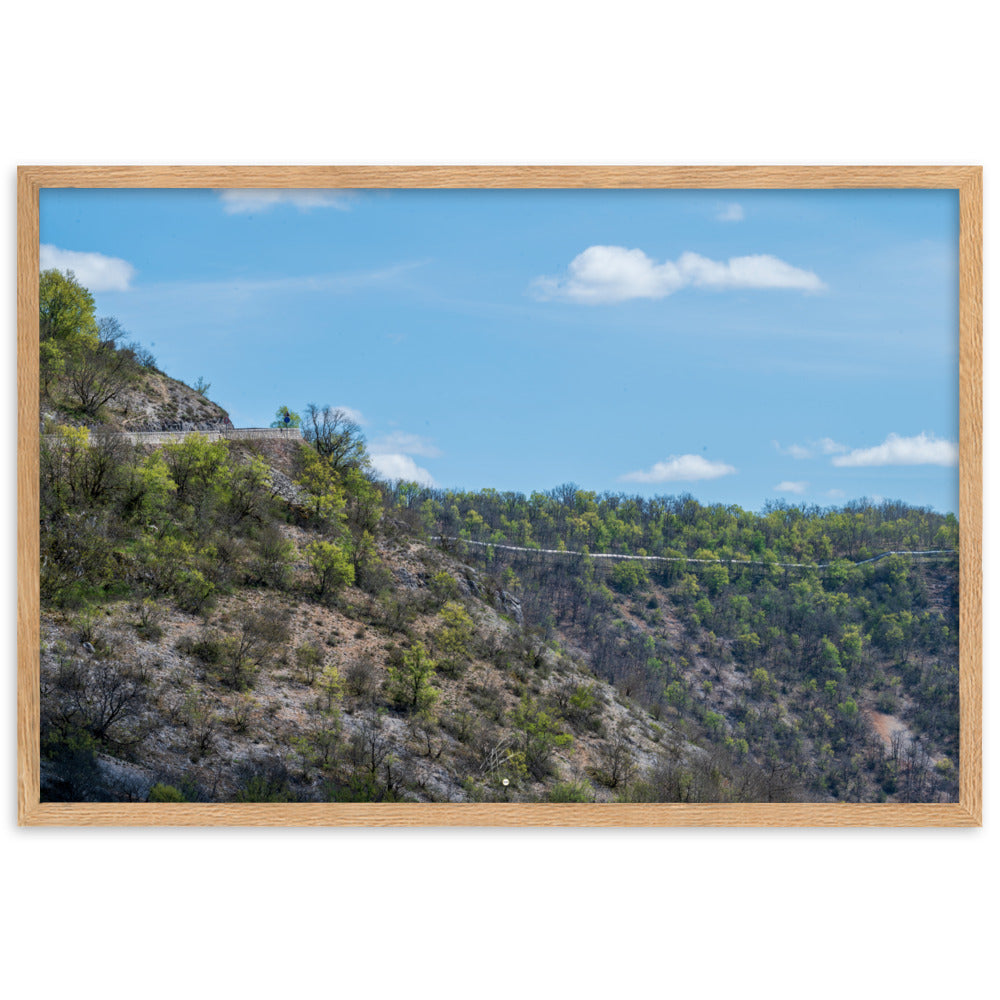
(229, 434)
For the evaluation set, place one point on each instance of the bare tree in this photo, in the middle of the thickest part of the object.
(618, 763)
(371, 747)
(97, 374)
(106, 699)
(336, 436)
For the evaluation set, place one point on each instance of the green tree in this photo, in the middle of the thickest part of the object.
(713, 574)
(331, 684)
(327, 502)
(247, 491)
(629, 576)
(851, 645)
(147, 489)
(747, 647)
(309, 660)
(197, 466)
(540, 735)
(829, 656)
(331, 568)
(456, 632)
(410, 682)
(66, 317)
(294, 420)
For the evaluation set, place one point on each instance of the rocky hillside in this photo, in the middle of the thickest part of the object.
(264, 621)
(149, 399)
(819, 645)
(159, 399)
(256, 621)
(318, 715)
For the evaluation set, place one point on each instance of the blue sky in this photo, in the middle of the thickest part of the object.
(737, 345)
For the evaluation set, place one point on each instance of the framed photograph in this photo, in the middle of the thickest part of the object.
(500, 496)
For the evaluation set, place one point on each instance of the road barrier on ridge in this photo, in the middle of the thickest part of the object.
(219, 434)
(686, 559)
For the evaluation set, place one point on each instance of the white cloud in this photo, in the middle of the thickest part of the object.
(923, 449)
(830, 447)
(407, 444)
(835, 494)
(794, 450)
(612, 274)
(602, 274)
(393, 467)
(788, 486)
(236, 201)
(825, 446)
(352, 414)
(95, 271)
(729, 212)
(680, 468)
(391, 457)
(755, 271)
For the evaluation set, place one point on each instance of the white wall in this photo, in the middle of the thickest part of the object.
(484, 913)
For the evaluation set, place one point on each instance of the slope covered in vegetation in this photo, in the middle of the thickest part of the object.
(787, 636)
(261, 622)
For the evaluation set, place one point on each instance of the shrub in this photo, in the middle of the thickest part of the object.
(571, 791)
(201, 722)
(257, 634)
(272, 558)
(265, 787)
(628, 576)
(583, 702)
(319, 745)
(207, 647)
(104, 699)
(444, 586)
(193, 592)
(70, 772)
(331, 569)
(360, 677)
(150, 615)
(308, 658)
(165, 793)
(244, 713)
(539, 736)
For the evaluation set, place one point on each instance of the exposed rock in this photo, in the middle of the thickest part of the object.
(408, 579)
(512, 606)
(286, 488)
(472, 585)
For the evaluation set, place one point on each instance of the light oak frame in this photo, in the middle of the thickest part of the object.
(967, 180)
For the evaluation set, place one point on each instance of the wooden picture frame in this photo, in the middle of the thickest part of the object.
(967, 180)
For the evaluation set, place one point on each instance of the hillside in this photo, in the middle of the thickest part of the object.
(793, 638)
(315, 716)
(244, 647)
(267, 621)
(91, 373)
(149, 399)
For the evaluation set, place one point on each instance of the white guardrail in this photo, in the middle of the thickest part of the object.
(685, 559)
